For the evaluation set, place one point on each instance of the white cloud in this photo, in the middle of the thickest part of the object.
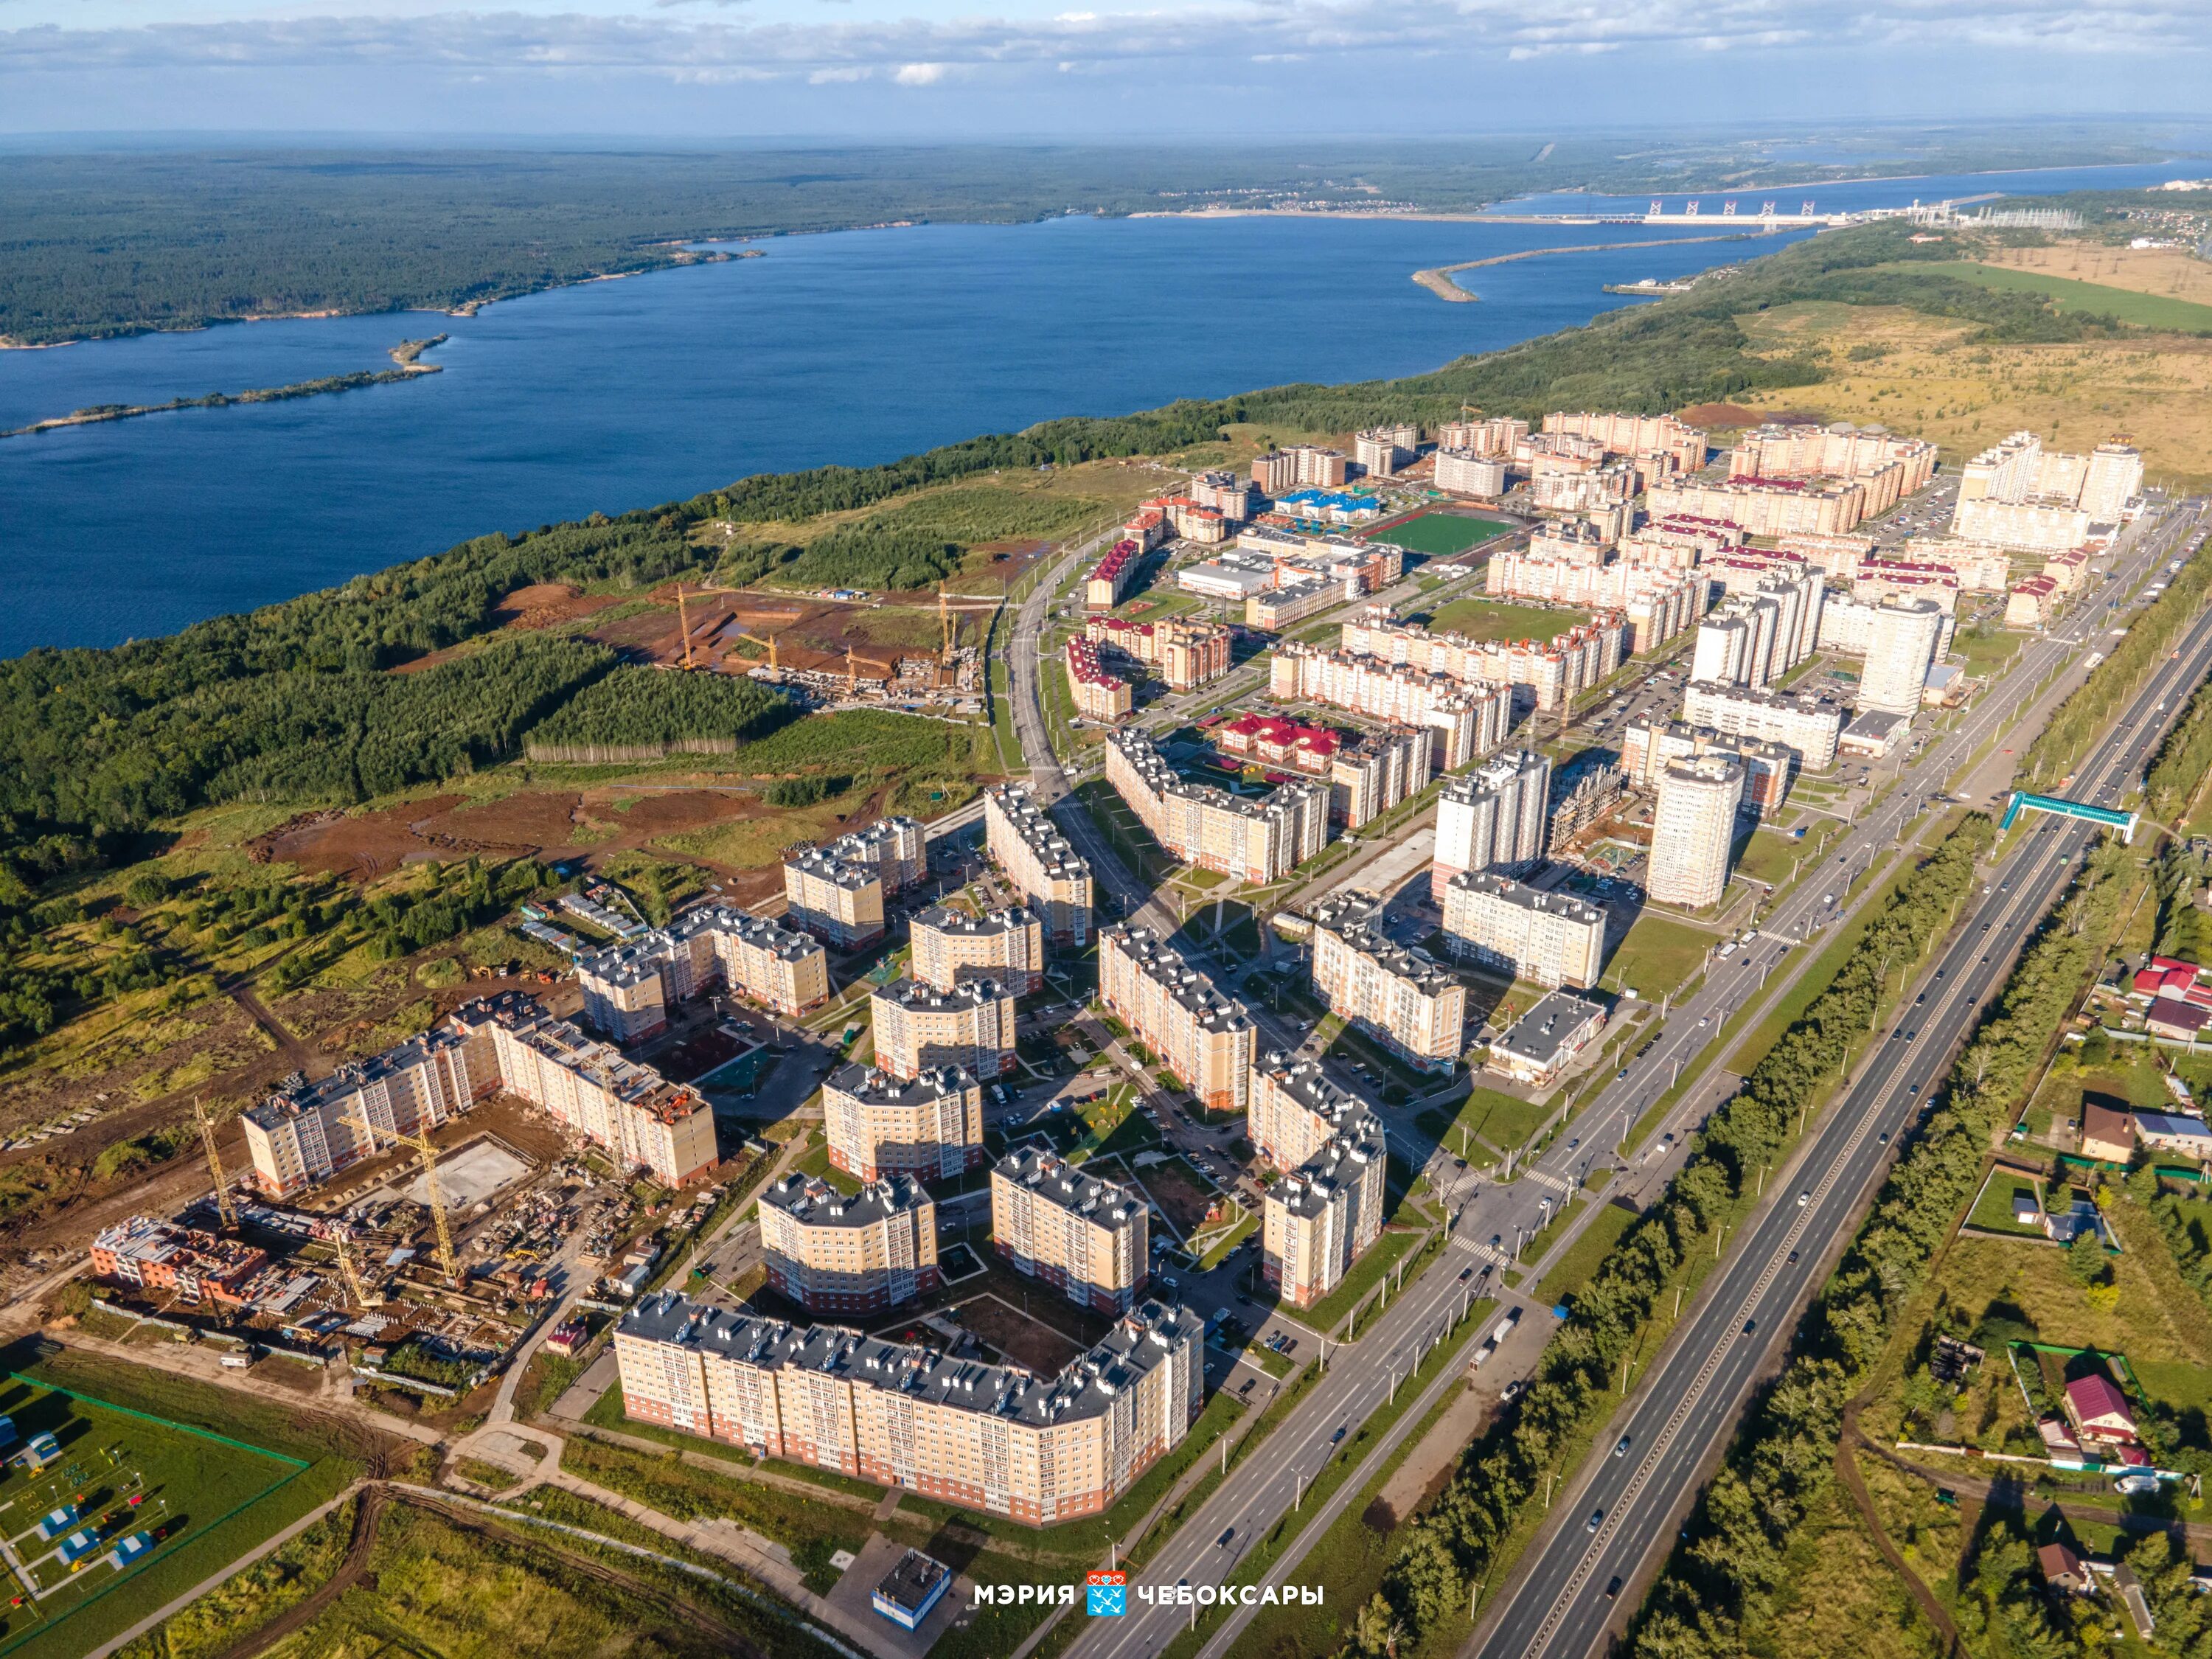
(920, 52)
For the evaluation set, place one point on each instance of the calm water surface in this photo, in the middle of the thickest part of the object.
(858, 347)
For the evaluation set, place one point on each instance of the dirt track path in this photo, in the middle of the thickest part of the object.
(1847, 1466)
(367, 1518)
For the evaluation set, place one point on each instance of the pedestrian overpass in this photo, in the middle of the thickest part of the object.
(2020, 801)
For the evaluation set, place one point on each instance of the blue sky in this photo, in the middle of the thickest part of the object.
(985, 68)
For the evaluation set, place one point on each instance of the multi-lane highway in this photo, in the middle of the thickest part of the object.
(1269, 1483)
(1618, 1519)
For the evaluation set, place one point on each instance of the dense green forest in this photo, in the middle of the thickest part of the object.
(119, 242)
(650, 707)
(289, 702)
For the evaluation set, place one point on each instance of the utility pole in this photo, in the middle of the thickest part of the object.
(214, 1165)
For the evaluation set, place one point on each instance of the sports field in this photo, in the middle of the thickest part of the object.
(2143, 310)
(94, 1497)
(1440, 535)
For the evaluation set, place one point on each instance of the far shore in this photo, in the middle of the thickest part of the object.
(1437, 279)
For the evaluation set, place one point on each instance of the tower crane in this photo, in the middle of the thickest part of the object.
(420, 1141)
(222, 1204)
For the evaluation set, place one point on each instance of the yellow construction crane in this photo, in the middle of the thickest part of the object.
(946, 627)
(684, 621)
(214, 1165)
(420, 1141)
(342, 1242)
(852, 674)
(771, 654)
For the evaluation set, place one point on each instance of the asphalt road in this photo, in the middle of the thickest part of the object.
(1267, 1484)
(1618, 1519)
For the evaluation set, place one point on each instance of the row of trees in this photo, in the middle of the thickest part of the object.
(1454, 1542)
(1729, 1566)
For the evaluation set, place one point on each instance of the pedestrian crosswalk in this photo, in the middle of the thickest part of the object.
(1545, 1178)
(1489, 1253)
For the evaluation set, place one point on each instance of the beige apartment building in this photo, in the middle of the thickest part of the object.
(849, 1255)
(838, 902)
(1252, 840)
(1693, 830)
(1295, 466)
(1463, 722)
(1549, 939)
(628, 990)
(1188, 654)
(1202, 1037)
(1024, 842)
(1892, 466)
(1804, 721)
(1542, 672)
(1495, 817)
(1906, 636)
(951, 947)
(1374, 771)
(921, 1028)
(2017, 495)
(1766, 507)
(1296, 1110)
(1097, 692)
(1402, 997)
(301, 1136)
(1323, 1216)
(1085, 1237)
(929, 1126)
(1037, 1449)
(1681, 446)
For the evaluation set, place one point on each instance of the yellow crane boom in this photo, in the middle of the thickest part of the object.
(215, 1163)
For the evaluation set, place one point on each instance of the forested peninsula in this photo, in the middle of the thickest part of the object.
(405, 353)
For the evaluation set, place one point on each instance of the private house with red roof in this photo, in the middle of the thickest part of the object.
(2100, 1412)
(1275, 741)
(2169, 976)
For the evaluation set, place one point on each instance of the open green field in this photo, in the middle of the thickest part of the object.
(1658, 954)
(1503, 1120)
(1488, 619)
(1440, 534)
(198, 1496)
(2142, 310)
(1985, 651)
(1992, 1211)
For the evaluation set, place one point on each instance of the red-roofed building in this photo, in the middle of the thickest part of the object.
(2031, 603)
(1099, 695)
(1111, 577)
(2171, 1017)
(2099, 1410)
(1276, 741)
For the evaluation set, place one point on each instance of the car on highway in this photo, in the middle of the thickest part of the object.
(1804, 1198)
(1621, 1449)
(1613, 1589)
(1466, 1273)
(1597, 1520)
(1334, 1438)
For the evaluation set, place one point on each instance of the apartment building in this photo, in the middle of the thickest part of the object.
(1324, 1214)
(1656, 602)
(1374, 771)
(1290, 602)
(1802, 721)
(640, 1118)
(1381, 450)
(1252, 840)
(2017, 495)
(951, 947)
(2032, 603)
(305, 1134)
(1891, 466)
(1769, 767)
(1277, 740)
(1835, 555)
(147, 1253)
(988, 1438)
(1693, 830)
(1906, 636)
(1464, 472)
(850, 1256)
(1187, 654)
(836, 892)
(1906, 579)
(929, 1126)
(1597, 490)
(1225, 493)
(1021, 840)
(1980, 566)
(1680, 541)
(629, 990)
(1497, 435)
(1099, 693)
(1202, 1038)
(1682, 446)
(1399, 996)
(1085, 1237)
(922, 1028)
(1491, 818)
(1299, 465)
(1549, 939)
(1109, 580)
(1766, 507)
(1463, 721)
(1542, 673)
(1565, 541)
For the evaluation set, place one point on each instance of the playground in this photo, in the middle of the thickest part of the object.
(93, 1494)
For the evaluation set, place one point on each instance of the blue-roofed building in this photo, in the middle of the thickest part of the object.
(54, 1525)
(9, 1436)
(43, 1449)
(129, 1549)
(1330, 506)
(78, 1545)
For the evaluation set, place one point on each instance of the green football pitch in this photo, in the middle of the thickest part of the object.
(1440, 534)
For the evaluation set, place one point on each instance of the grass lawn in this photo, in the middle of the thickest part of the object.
(2142, 310)
(1581, 1263)
(214, 1475)
(816, 1162)
(1770, 856)
(1985, 651)
(1504, 1120)
(1488, 619)
(1658, 954)
(1333, 1309)
(1993, 1207)
(1440, 534)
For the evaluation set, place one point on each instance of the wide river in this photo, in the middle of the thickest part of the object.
(856, 348)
